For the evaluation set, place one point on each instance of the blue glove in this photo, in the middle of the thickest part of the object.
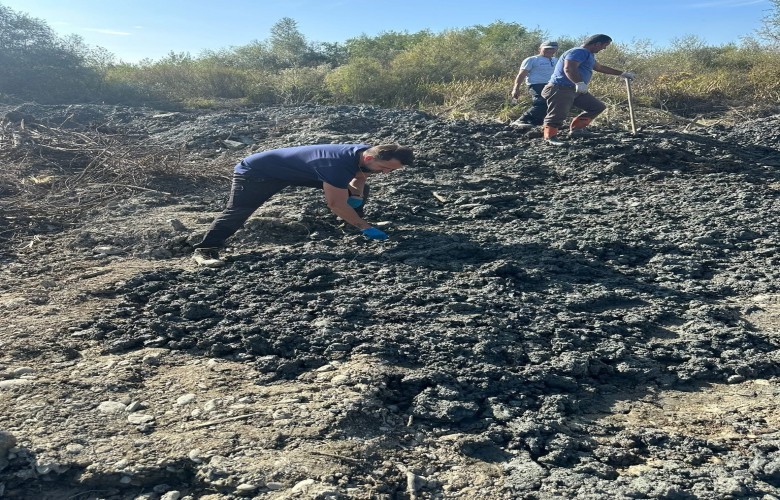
(354, 201)
(373, 233)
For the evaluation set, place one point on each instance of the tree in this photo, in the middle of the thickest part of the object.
(770, 30)
(288, 45)
(37, 64)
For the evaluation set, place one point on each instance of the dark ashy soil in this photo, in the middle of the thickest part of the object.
(599, 320)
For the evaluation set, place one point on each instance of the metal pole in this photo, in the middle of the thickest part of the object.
(630, 106)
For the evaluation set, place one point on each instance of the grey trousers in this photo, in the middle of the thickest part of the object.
(561, 99)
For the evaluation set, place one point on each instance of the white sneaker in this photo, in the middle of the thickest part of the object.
(207, 257)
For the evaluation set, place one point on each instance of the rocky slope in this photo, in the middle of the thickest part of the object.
(598, 320)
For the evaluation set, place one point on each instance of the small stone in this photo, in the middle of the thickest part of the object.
(302, 485)
(171, 495)
(245, 488)
(273, 486)
(7, 441)
(107, 250)
(196, 455)
(233, 144)
(13, 383)
(22, 370)
(74, 448)
(177, 225)
(185, 399)
(140, 418)
(133, 406)
(111, 407)
(151, 360)
(282, 414)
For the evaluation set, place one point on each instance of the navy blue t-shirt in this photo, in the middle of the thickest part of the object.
(335, 164)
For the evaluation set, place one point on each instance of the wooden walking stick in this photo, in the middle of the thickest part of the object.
(630, 106)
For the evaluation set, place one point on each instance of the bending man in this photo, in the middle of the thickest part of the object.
(340, 170)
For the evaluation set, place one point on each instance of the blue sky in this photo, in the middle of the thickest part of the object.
(137, 29)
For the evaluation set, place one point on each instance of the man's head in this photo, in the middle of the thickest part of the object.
(548, 48)
(596, 43)
(386, 158)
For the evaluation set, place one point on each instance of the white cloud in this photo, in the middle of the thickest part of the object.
(108, 32)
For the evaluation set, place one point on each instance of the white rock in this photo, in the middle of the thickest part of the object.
(107, 250)
(22, 370)
(171, 495)
(196, 455)
(139, 418)
(245, 488)
(273, 486)
(185, 399)
(132, 406)
(111, 407)
(302, 485)
(74, 448)
(17, 382)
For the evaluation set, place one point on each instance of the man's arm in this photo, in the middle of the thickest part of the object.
(356, 186)
(519, 81)
(606, 69)
(336, 198)
(571, 69)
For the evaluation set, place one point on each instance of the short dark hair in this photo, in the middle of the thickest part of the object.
(403, 154)
(597, 39)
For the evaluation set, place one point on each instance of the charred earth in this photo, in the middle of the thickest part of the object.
(598, 320)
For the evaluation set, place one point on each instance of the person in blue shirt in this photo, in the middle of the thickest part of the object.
(340, 170)
(535, 72)
(568, 87)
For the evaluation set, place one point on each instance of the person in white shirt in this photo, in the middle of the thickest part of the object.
(535, 72)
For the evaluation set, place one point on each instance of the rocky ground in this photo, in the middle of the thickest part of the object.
(598, 320)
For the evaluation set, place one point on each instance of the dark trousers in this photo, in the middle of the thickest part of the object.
(538, 110)
(247, 194)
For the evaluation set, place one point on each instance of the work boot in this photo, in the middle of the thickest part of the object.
(581, 132)
(577, 127)
(551, 136)
(207, 257)
(522, 126)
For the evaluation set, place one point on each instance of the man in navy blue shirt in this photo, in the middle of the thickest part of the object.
(340, 170)
(568, 87)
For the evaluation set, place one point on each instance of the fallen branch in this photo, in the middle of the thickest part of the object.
(106, 184)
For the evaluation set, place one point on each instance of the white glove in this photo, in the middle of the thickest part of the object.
(581, 87)
(627, 75)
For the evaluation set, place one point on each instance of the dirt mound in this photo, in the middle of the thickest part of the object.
(760, 134)
(598, 320)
